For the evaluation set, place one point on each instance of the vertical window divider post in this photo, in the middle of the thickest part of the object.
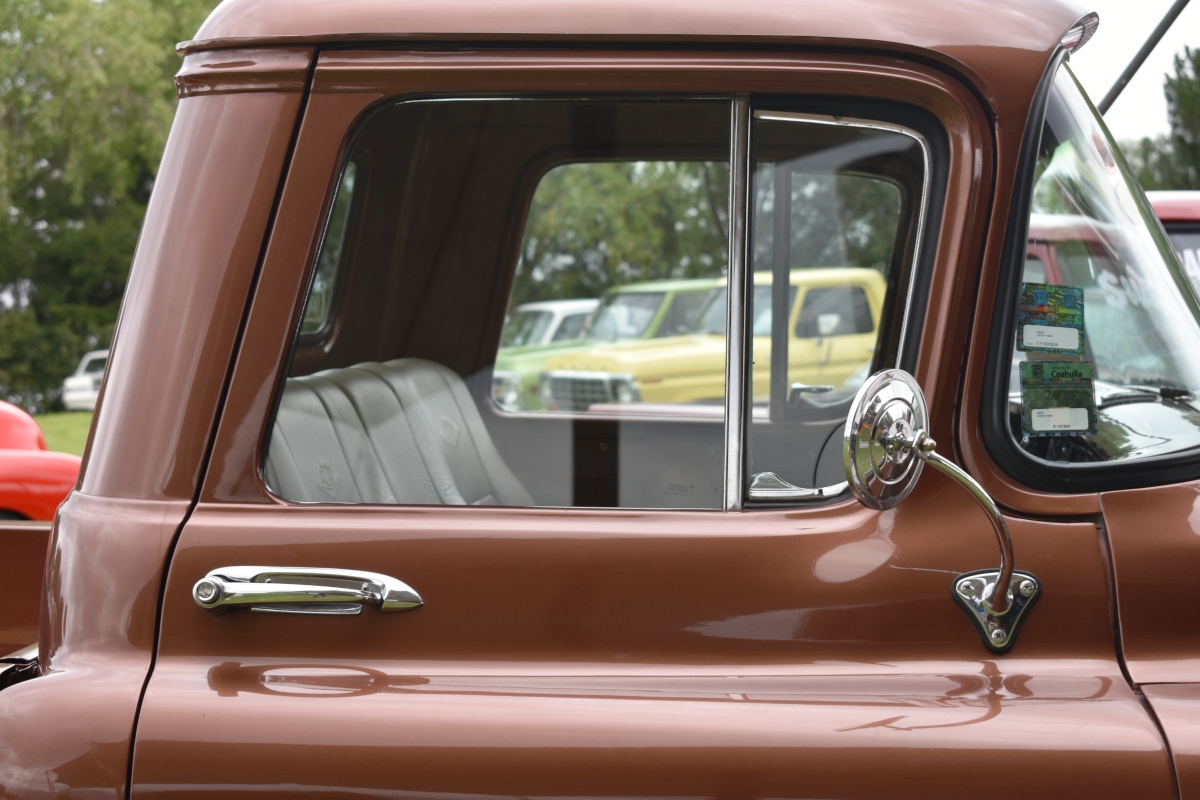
(737, 365)
(781, 246)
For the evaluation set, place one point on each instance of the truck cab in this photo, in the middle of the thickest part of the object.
(310, 554)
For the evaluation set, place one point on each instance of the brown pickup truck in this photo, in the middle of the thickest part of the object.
(309, 556)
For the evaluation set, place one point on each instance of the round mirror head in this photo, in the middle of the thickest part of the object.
(887, 412)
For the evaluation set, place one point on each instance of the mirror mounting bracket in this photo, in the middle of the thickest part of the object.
(972, 592)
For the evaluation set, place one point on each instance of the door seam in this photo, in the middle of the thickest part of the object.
(220, 406)
(1114, 615)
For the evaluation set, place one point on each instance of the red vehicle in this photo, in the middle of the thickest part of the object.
(33, 483)
(33, 480)
(1180, 215)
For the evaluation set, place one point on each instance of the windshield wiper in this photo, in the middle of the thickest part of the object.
(1149, 394)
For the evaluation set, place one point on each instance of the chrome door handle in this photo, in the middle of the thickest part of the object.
(302, 590)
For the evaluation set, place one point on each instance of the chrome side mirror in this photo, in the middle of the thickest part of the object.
(885, 447)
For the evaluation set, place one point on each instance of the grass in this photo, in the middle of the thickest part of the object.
(65, 431)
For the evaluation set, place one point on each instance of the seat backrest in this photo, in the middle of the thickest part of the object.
(402, 432)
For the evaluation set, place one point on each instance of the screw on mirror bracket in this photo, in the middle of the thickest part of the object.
(998, 631)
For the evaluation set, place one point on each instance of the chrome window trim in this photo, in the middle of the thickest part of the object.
(736, 371)
(800, 494)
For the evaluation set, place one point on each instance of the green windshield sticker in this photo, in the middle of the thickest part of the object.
(1058, 398)
(1050, 319)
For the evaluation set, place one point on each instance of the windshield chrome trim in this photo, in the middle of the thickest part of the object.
(736, 366)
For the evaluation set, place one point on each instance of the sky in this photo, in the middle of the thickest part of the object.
(1141, 110)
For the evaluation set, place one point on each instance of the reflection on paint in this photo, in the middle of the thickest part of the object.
(853, 560)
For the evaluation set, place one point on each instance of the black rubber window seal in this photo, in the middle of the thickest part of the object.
(993, 416)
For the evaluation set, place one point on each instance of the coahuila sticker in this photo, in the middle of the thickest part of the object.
(1057, 398)
(1050, 319)
(1059, 419)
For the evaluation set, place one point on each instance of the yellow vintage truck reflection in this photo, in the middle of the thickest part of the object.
(833, 323)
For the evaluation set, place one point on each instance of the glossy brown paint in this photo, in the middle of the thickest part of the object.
(22, 562)
(187, 293)
(1155, 539)
(620, 652)
(1000, 48)
(1178, 711)
(70, 730)
(583, 653)
(915, 735)
(264, 70)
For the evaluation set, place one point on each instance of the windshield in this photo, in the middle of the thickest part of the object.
(525, 327)
(624, 315)
(1107, 303)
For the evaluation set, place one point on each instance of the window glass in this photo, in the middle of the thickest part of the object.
(625, 315)
(526, 327)
(834, 311)
(320, 296)
(95, 365)
(835, 215)
(1106, 362)
(570, 328)
(1187, 245)
(680, 316)
(468, 213)
(1035, 270)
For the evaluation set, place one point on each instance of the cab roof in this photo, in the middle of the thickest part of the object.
(991, 43)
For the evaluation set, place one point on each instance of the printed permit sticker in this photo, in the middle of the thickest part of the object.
(1050, 319)
(1058, 398)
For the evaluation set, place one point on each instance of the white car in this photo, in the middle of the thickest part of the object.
(546, 322)
(81, 387)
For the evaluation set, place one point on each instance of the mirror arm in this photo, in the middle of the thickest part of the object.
(924, 446)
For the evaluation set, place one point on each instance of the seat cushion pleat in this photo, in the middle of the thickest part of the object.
(312, 464)
(365, 469)
(392, 439)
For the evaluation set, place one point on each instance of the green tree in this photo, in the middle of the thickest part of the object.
(86, 101)
(596, 225)
(1183, 105)
(1173, 161)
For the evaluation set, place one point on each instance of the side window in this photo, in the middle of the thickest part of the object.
(465, 229)
(836, 211)
(1106, 358)
(526, 326)
(834, 311)
(570, 328)
(680, 316)
(320, 296)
